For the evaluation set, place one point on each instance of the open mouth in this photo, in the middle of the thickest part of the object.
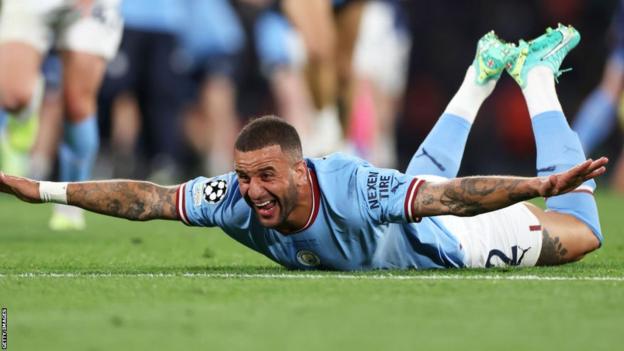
(266, 208)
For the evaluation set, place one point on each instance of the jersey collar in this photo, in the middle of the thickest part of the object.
(316, 200)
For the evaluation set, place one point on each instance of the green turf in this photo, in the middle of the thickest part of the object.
(131, 310)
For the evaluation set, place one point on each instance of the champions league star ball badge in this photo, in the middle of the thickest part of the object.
(308, 258)
(215, 191)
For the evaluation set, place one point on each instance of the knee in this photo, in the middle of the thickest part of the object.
(320, 52)
(15, 99)
(588, 242)
(78, 104)
(585, 241)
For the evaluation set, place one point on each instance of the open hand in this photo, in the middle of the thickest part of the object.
(23, 188)
(569, 180)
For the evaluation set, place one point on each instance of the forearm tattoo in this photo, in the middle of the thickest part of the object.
(553, 252)
(472, 195)
(133, 200)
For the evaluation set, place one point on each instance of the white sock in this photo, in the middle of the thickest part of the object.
(72, 212)
(540, 93)
(470, 96)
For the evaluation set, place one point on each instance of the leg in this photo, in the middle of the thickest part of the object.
(3, 119)
(380, 62)
(82, 75)
(570, 227)
(596, 118)
(316, 23)
(161, 106)
(22, 41)
(218, 104)
(442, 150)
(283, 67)
(24, 37)
(125, 128)
(564, 237)
(43, 153)
(19, 72)
(617, 180)
(21, 89)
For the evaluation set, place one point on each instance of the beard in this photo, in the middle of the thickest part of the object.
(285, 204)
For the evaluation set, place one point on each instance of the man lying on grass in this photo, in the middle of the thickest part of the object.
(340, 213)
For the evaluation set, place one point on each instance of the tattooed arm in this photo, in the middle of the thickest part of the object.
(474, 195)
(133, 200)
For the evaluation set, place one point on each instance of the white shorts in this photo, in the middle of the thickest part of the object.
(44, 23)
(511, 236)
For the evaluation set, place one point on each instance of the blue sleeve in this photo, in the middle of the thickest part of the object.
(210, 202)
(387, 194)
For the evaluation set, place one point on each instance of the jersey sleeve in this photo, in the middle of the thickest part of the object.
(209, 202)
(387, 194)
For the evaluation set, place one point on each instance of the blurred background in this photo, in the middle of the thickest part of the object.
(365, 77)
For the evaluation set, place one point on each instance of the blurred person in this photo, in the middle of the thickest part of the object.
(598, 114)
(142, 87)
(29, 144)
(329, 29)
(86, 33)
(43, 153)
(379, 76)
(279, 53)
(212, 38)
(340, 213)
(228, 29)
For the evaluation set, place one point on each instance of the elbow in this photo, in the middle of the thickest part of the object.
(142, 218)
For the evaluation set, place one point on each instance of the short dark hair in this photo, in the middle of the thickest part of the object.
(266, 131)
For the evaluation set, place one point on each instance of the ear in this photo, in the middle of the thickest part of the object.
(301, 173)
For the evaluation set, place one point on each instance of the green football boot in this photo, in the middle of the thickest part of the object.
(548, 50)
(492, 56)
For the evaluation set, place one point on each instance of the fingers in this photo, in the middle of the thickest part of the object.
(596, 173)
(599, 163)
(597, 167)
(589, 166)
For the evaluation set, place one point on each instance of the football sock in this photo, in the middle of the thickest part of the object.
(469, 97)
(540, 93)
(595, 119)
(442, 150)
(78, 150)
(558, 149)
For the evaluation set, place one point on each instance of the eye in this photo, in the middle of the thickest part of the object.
(243, 178)
(266, 176)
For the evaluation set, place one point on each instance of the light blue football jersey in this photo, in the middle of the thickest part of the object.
(361, 219)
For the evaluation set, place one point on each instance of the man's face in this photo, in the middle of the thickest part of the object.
(268, 180)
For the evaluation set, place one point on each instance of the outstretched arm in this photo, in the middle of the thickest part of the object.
(474, 195)
(134, 200)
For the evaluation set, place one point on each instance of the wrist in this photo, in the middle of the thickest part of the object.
(53, 192)
(537, 186)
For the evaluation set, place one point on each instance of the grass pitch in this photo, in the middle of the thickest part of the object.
(160, 285)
